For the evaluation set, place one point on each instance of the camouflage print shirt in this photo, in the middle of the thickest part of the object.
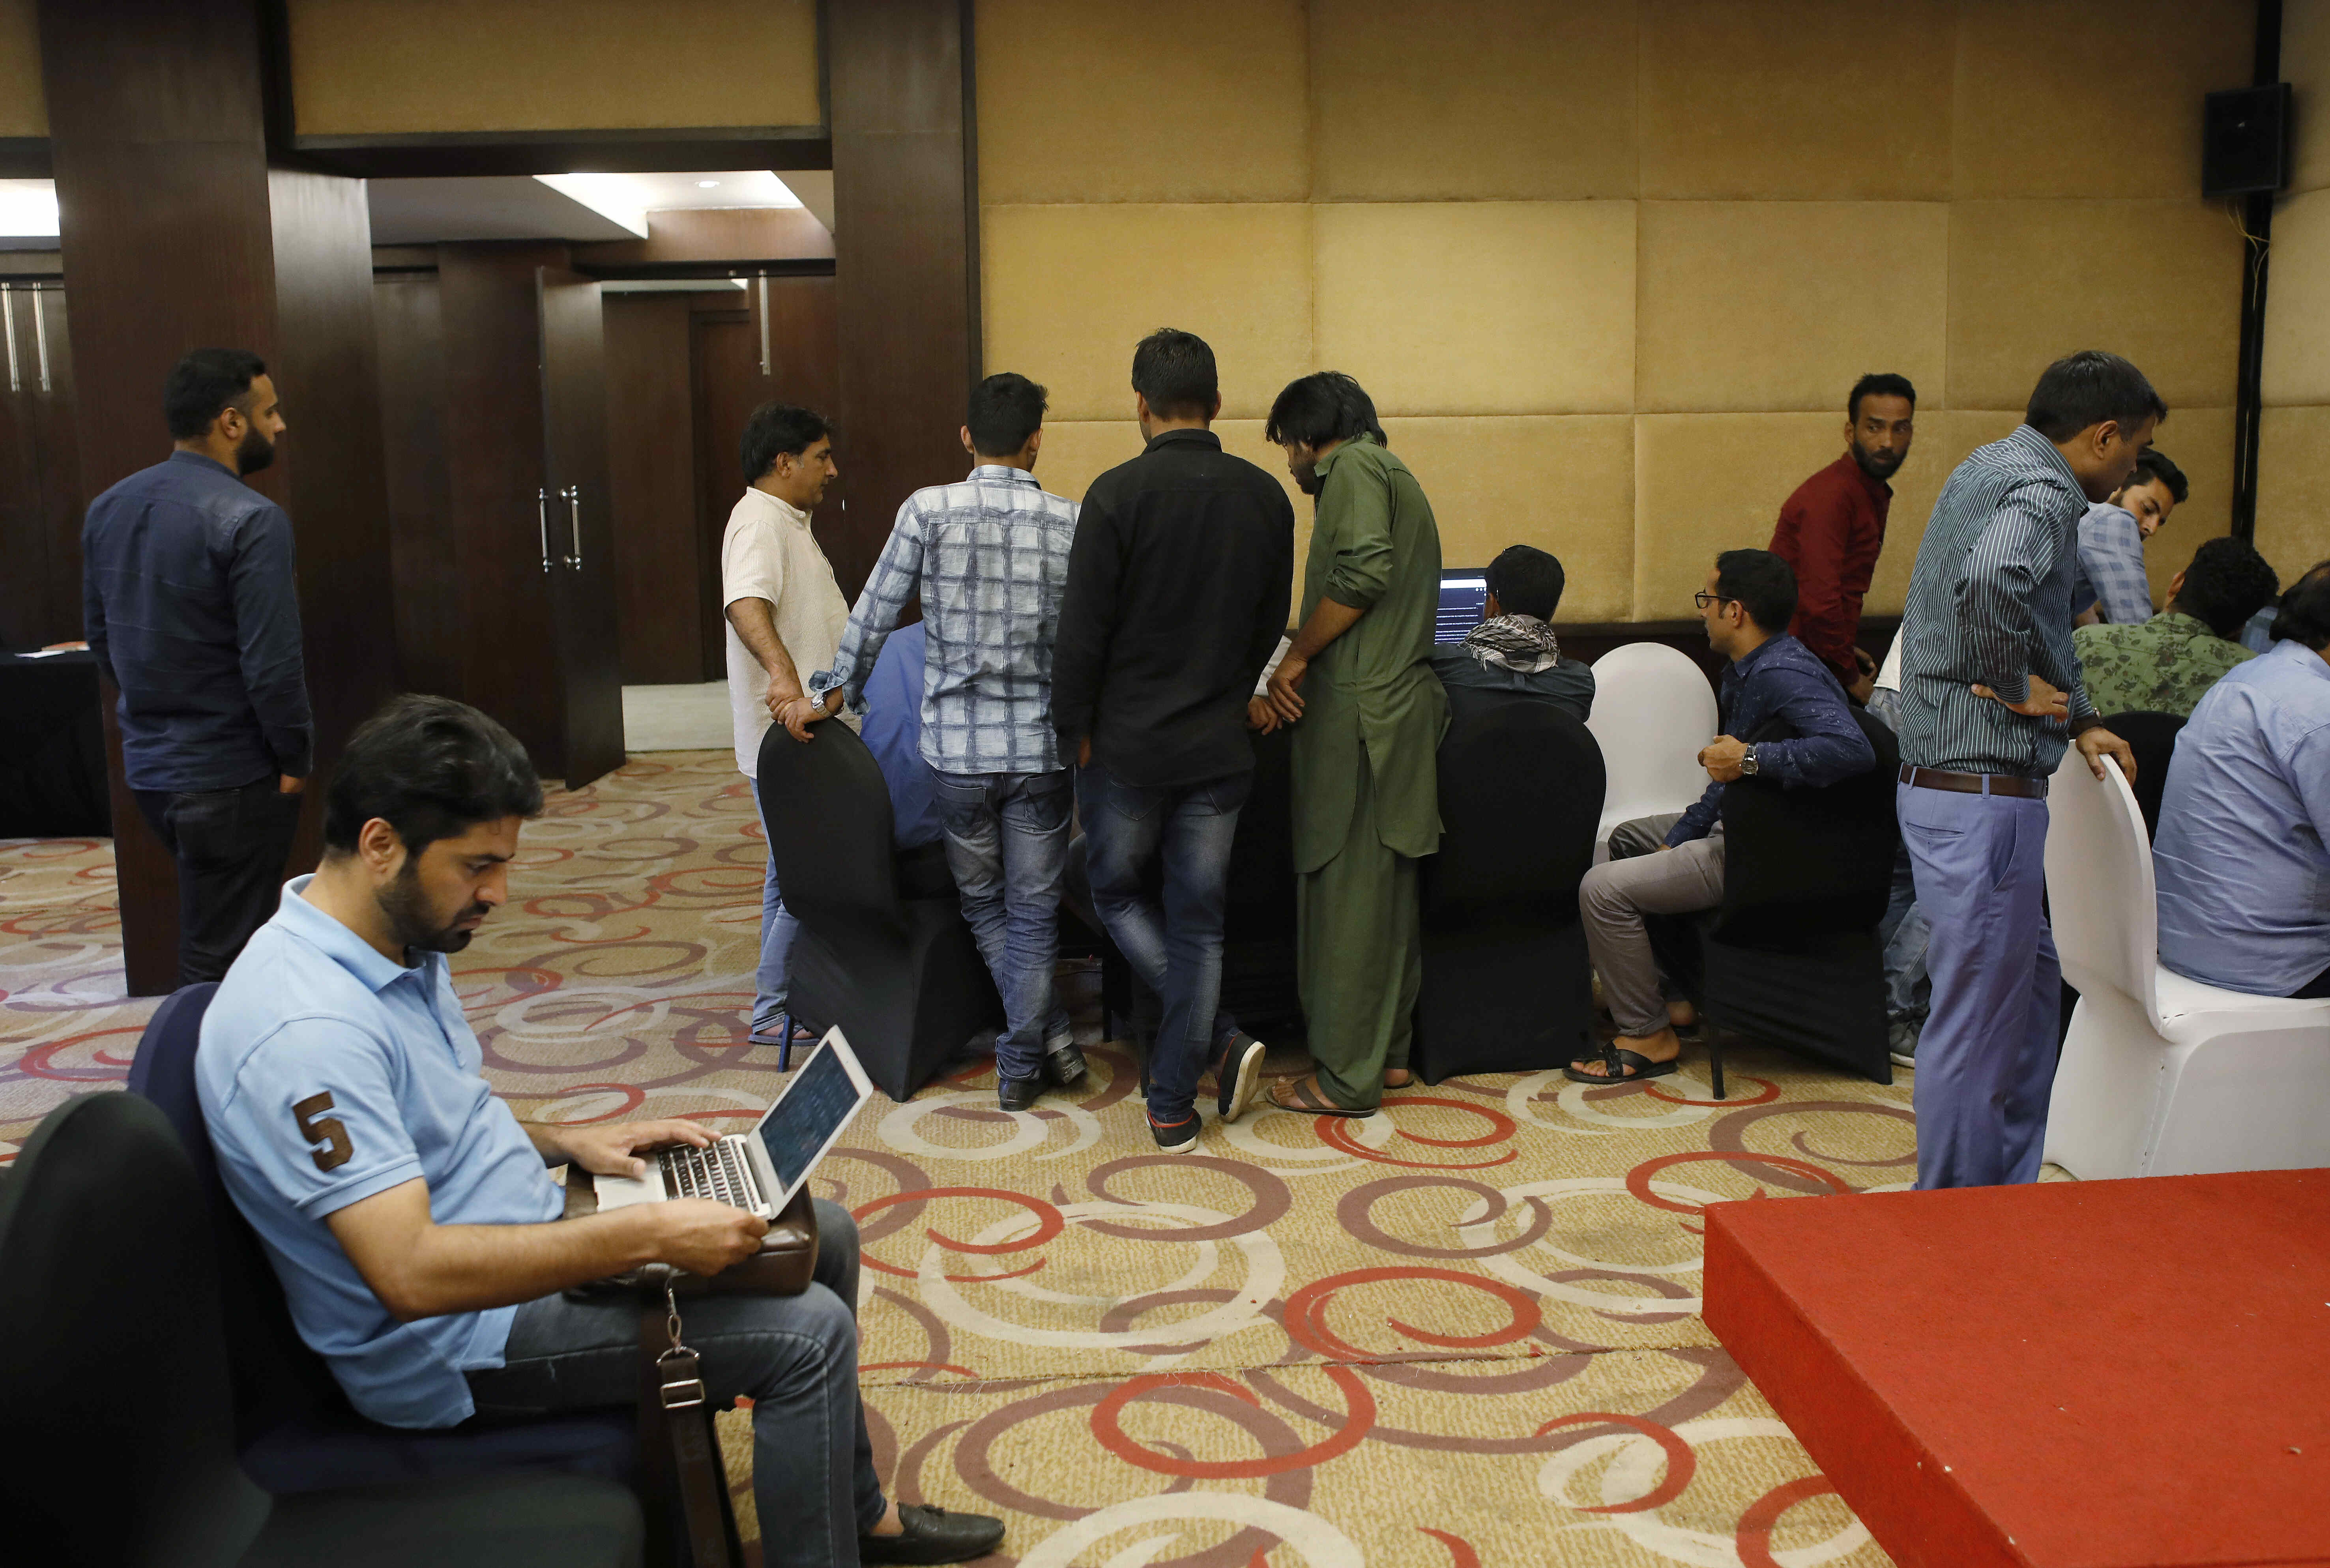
(2161, 665)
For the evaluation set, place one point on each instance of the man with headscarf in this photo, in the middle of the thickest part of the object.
(1512, 655)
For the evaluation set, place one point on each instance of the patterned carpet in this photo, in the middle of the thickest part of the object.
(1463, 1332)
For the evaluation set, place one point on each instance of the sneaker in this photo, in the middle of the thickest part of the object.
(1901, 1038)
(1237, 1075)
(1175, 1137)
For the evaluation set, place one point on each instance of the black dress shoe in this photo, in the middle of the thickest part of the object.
(933, 1535)
(1065, 1067)
(1019, 1094)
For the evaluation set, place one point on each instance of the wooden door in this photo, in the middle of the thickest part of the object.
(579, 524)
(23, 534)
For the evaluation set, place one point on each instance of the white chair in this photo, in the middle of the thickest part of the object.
(2162, 1075)
(1653, 713)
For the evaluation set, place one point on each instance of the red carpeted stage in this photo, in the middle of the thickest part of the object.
(2078, 1375)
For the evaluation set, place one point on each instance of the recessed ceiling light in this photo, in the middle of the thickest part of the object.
(707, 185)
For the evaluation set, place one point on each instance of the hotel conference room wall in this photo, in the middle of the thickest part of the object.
(1609, 269)
(2293, 528)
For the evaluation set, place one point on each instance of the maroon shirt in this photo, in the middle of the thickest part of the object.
(1830, 530)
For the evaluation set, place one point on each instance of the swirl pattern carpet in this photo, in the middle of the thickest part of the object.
(1463, 1332)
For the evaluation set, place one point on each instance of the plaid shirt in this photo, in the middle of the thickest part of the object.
(2111, 566)
(990, 557)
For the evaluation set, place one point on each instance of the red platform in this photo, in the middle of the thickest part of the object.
(2078, 1375)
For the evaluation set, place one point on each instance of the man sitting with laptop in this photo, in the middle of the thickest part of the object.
(411, 1217)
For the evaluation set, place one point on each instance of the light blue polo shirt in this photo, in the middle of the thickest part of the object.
(329, 1073)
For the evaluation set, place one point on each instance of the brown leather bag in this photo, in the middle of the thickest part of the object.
(679, 1447)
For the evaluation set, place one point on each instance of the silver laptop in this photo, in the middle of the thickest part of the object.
(760, 1170)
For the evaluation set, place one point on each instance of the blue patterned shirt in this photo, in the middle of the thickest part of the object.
(2110, 573)
(1990, 601)
(990, 557)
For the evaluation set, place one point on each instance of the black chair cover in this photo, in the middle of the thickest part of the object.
(901, 977)
(2153, 738)
(1507, 987)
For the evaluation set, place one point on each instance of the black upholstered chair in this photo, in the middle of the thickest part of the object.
(2153, 738)
(1507, 987)
(1790, 955)
(892, 964)
(117, 1376)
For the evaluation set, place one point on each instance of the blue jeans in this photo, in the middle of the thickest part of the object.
(1007, 838)
(1986, 1060)
(1903, 932)
(1175, 947)
(777, 927)
(796, 1356)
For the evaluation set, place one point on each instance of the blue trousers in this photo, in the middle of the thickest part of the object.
(1986, 1061)
(1007, 838)
(777, 927)
(1173, 947)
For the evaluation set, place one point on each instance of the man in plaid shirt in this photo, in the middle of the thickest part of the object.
(990, 557)
(2109, 583)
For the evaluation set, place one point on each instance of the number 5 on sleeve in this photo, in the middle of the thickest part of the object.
(325, 1130)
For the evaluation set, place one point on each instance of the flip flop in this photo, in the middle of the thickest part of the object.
(1640, 1067)
(1304, 1095)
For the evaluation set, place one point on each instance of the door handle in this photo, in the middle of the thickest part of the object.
(8, 314)
(542, 524)
(41, 337)
(573, 494)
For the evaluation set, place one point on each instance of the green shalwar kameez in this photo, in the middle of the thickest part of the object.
(1366, 790)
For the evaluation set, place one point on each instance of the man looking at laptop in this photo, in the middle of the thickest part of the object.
(411, 1217)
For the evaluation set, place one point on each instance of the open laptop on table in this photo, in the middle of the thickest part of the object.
(760, 1170)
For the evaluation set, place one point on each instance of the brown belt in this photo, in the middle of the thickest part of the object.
(1973, 783)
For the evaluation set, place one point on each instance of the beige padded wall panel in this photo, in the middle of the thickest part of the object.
(2293, 525)
(378, 67)
(2201, 441)
(2029, 281)
(1492, 98)
(23, 108)
(1095, 101)
(1068, 292)
(2091, 98)
(2296, 367)
(1759, 102)
(2306, 66)
(1707, 483)
(1480, 307)
(1563, 484)
(1783, 304)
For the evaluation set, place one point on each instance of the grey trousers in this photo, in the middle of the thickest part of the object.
(1638, 880)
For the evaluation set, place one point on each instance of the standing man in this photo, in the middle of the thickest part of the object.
(1366, 798)
(191, 606)
(1177, 593)
(1833, 528)
(1989, 696)
(2109, 585)
(785, 615)
(990, 557)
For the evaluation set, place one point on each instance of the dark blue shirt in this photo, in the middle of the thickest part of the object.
(191, 608)
(893, 733)
(1781, 679)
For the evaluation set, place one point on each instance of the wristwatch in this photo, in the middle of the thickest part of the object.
(1748, 762)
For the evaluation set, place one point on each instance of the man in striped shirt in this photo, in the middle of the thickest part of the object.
(1989, 697)
(990, 557)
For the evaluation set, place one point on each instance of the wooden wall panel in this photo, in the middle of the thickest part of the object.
(409, 320)
(651, 483)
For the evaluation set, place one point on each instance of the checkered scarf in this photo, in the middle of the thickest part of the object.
(1520, 643)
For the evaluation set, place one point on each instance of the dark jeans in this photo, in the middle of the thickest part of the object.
(794, 1356)
(1007, 838)
(1173, 947)
(2315, 989)
(231, 846)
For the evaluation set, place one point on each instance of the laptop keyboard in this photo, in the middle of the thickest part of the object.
(719, 1173)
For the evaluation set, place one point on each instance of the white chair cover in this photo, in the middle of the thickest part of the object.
(1653, 712)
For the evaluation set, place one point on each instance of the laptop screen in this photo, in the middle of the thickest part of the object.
(815, 1106)
(1463, 596)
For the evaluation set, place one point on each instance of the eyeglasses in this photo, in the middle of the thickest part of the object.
(1703, 600)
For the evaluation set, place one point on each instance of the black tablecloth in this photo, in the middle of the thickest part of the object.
(52, 749)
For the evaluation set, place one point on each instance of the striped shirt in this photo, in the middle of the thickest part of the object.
(2110, 573)
(990, 557)
(1990, 601)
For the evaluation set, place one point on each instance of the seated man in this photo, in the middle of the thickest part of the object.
(1511, 656)
(2162, 665)
(412, 1219)
(1748, 601)
(2240, 861)
(893, 733)
(2109, 583)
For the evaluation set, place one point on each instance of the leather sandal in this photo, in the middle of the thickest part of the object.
(1304, 1096)
(1624, 1067)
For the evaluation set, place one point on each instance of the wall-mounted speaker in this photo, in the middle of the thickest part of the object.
(2244, 137)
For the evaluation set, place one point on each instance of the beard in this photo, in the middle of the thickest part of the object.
(1876, 464)
(254, 453)
(411, 923)
(1306, 479)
